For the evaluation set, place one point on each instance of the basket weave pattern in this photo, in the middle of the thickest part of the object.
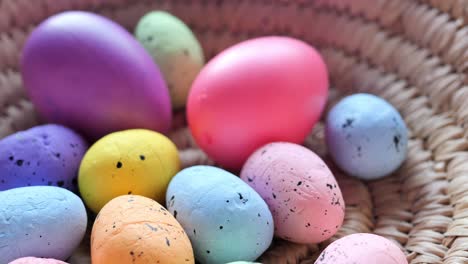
(414, 53)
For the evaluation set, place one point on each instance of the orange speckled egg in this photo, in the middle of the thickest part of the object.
(135, 230)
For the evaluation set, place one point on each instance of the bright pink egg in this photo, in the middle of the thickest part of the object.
(256, 92)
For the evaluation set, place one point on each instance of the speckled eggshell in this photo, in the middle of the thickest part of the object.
(135, 161)
(43, 155)
(41, 221)
(300, 190)
(243, 262)
(225, 218)
(137, 230)
(362, 248)
(366, 136)
(175, 49)
(33, 260)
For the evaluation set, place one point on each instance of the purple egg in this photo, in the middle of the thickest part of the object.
(43, 155)
(88, 73)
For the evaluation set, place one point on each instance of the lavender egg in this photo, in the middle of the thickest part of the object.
(43, 155)
(86, 72)
(366, 136)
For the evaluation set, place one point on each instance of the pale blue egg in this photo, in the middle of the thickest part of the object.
(224, 217)
(243, 262)
(366, 136)
(40, 221)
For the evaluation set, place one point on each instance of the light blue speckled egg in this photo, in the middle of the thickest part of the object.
(243, 262)
(40, 221)
(224, 217)
(366, 136)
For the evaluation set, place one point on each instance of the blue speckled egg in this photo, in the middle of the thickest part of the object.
(243, 262)
(43, 155)
(224, 217)
(366, 136)
(40, 221)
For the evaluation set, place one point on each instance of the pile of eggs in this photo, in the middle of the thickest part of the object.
(104, 159)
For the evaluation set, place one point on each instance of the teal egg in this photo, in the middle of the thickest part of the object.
(243, 262)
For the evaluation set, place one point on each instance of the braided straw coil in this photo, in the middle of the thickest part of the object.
(413, 53)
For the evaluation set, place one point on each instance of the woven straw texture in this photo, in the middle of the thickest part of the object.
(414, 53)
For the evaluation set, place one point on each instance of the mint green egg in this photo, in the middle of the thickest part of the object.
(175, 49)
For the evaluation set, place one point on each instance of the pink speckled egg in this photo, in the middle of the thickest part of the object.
(33, 260)
(300, 190)
(362, 248)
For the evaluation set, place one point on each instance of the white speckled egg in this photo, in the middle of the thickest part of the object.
(40, 221)
(300, 190)
(224, 217)
(33, 260)
(366, 136)
(362, 248)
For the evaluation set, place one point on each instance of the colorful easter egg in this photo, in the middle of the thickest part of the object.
(137, 230)
(362, 248)
(84, 71)
(41, 221)
(224, 217)
(134, 161)
(366, 136)
(300, 190)
(43, 155)
(175, 49)
(33, 260)
(259, 91)
(243, 262)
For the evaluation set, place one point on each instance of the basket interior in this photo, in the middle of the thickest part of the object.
(412, 53)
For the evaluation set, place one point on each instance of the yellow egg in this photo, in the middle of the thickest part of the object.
(136, 230)
(135, 161)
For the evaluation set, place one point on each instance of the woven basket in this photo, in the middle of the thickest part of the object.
(413, 53)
